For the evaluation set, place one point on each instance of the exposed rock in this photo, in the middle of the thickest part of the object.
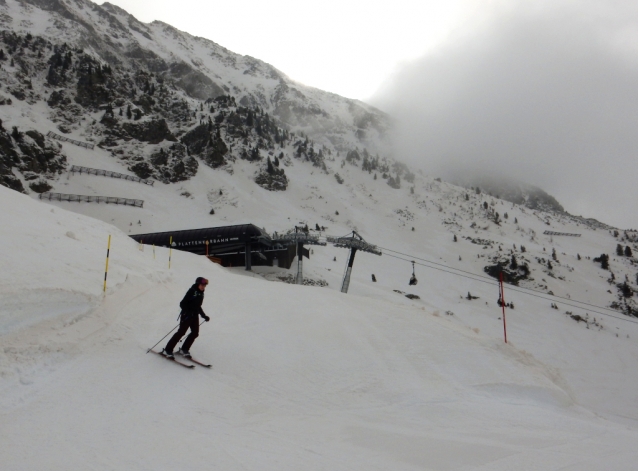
(40, 155)
(153, 132)
(167, 165)
(95, 84)
(57, 98)
(33, 154)
(195, 83)
(8, 159)
(18, 92)
(197, 139)
(272, 182)
(512, 276)
(145, 102)
(41, 186)
(208, 145)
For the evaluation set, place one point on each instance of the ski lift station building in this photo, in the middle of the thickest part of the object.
(231, 246)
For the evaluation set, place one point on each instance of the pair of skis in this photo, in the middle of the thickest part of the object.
(181, 363)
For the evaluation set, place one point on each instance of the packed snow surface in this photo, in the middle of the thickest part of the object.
(303, 377)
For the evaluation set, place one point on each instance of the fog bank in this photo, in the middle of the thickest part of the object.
(540, 92)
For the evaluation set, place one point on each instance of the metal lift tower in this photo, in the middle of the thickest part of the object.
(354, 242)
(300, 238)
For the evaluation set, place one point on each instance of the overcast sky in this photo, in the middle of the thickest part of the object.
(543, 91)
(347, 47)
(546, 92)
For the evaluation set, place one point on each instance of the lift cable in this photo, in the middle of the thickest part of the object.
(492, 279)
(484, 279)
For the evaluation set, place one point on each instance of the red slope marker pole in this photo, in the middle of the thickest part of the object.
(503, 304)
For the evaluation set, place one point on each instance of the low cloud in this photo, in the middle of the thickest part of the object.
(542, 93)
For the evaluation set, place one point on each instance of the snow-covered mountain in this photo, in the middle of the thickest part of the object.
(389, 376)
(308, 377)
(154, 85)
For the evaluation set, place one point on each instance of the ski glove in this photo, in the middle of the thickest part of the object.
(206, 318)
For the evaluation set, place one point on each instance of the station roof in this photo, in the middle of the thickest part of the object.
(219, 239)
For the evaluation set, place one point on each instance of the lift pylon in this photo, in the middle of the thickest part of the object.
(298, 238)
(354, 242)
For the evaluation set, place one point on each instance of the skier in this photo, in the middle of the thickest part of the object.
(189, 318)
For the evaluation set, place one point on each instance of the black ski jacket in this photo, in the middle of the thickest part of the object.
(192, 303)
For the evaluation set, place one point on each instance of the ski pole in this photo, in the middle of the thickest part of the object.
(162, 338)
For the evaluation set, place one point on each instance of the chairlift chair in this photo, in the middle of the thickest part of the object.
(413, 280)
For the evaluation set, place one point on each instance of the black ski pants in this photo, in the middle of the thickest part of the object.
(186, 322)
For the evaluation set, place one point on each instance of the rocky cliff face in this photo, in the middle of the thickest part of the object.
(153, 85)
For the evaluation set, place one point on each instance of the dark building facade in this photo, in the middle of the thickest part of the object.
(240, 245)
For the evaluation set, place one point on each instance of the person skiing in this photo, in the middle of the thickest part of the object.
(189, 319)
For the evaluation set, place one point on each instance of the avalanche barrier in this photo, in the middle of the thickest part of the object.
(91, 199)
(86, 145)
(108, 173)
(560, 234)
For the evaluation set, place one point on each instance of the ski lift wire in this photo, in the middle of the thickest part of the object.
(491, 279)
(512, 288)
(488, 280)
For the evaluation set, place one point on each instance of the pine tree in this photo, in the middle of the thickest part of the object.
(129, 114)
(604, 261)
(628, 251)
(626, 290)
(219, 148)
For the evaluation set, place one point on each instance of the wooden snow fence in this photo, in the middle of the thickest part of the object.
(108, 173)
(91, 199)
(560, 234)
(86, 145)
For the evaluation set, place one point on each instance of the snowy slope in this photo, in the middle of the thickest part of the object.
(303, 377)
